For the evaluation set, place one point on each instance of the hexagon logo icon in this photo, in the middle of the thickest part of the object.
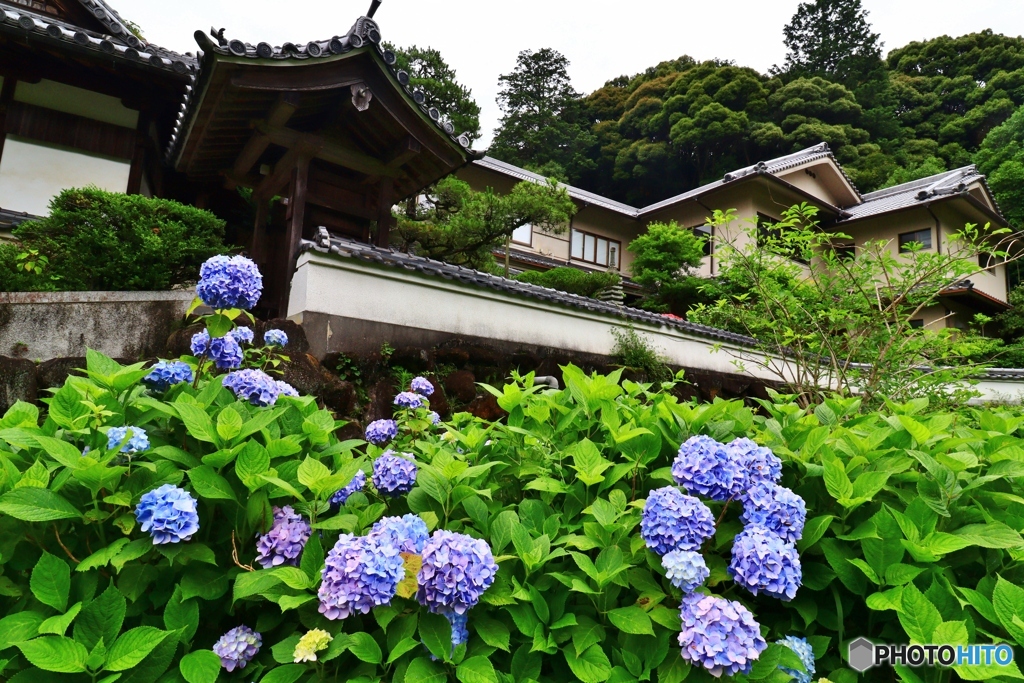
(861, 654)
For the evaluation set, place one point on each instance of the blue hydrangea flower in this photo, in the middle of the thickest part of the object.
(166, 374)
(360, 573)
(805, 652)
(168, 514)
(718, 634)
(254, 386)
(685, 569)
(285, 389)
(242, 335)
(139, 441)
(777, 509)
(284, 542)
(422, 386)
(759, 462)
(237, 647)
(456, 570)
(435, 419)
(357, 484)
(460, 628)
(224, 351)
(229, 282)
(409, 399)
(704, 467)
(763, 562)
(394, 475)
(675, 521)
(275, 338)
(379, 432)
(408, 533)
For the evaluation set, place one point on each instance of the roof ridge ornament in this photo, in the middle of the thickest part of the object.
(374, 6)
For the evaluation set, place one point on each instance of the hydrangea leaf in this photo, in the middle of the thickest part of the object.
(59, 624)
(36, 505)
(133, 646)
(55, 653)
(631, 619)
(476, 670)
(592, 666)
(422, 670)
(51, 581)
(200, 666)
(365, 648)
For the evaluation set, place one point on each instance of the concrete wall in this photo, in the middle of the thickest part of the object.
(129, 325)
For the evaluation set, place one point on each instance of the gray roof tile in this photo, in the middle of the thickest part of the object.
(916, 192)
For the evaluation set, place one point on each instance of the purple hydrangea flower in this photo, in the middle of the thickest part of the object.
(460, 628)
(168, 514)
(718, 634)
(166, 374)
(237, 647)
(762, 561)
(685, 569)
(409, 399)
(379, 432)
(284, 542)
(759, 462)
(777, 509)
(285, 389)
(805, 652)
(360, 573)
(139, 441)
(224, 351)
(435, 419)
(704, 466)
(422, 386)
(394, 475)
(675, 521)
(357, 484)
(242, 335)
(456, 570)
(275, 338)
(229, 282)
(254, 386)
(408, 533)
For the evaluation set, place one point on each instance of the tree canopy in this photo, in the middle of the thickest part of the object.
(832, 38)
(428, 70)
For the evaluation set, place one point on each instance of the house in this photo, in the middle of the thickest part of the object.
(928, 211)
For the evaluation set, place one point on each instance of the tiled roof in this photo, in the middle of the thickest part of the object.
(365, 32)
(493, 164)
(10, 219)
(388, 257)
(120, 43)
(915, 192)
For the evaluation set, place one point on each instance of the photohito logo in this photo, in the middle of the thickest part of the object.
(862, 654)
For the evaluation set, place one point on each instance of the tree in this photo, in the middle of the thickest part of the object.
(429, 72)
(833, 39)
(664, 258)
(845, 324)
(455, 224)
(543, 122)
(1001, 158)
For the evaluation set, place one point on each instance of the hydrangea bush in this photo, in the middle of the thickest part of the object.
(598, 534)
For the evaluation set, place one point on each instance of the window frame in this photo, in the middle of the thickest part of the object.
(513, 240)
(608, 248)
(902, 243)
(707, 232)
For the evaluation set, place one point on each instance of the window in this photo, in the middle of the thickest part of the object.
(988, 261)
(769, 235)
(845, 252)
(922, 237)
(595, 249)
(917, 323)
(704, 231)
(523, 235)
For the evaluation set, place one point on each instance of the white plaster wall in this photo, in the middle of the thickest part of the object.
(348, 288)
(32, 173)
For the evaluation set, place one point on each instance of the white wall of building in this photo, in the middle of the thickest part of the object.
(31, 174)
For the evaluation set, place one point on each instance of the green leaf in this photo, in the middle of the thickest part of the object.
(436, 634)
(899, 574)
(36, 505)
(252, 461)
(55, 653)
(836, 480)
(102, 557)
(868, 484)
(206, 583)
(476, 670)
(100, 363)
(59, 624)
(1008, 603)
(293, 577)
(917, 430)
(401, 647)
(208, 484)
(287, 673)
(101, 618)
(61, 451)
(919, 616)
(51, 581)
(197, 422)
(181, 614)
(492, 632)
(311, 472)
(814, 529)
(422, 670)
(501, 530)
(982, 604)
(254, 583)
(990, 535)
(229, 424)
(365, 648)
(592, 666)
(133, 646)
(631, 619)
(19, 627)
(200, 666)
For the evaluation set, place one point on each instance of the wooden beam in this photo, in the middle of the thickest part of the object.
(258, 143)
(138, 166)
(296, 221)
(329, 150)
(282, 172)
(407, 148)
(69, 130)
(338, 199)
(385, 199)
(259, 231)
(6, 97)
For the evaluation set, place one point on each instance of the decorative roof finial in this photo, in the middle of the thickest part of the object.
(373, 8)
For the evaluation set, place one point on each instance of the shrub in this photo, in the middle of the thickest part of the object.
(99, 240)
(635, 351)
(572, 280)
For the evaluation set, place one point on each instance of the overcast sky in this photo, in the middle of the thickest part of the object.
(602, 38)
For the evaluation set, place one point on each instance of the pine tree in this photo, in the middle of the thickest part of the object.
(428, 71)
(832, 38)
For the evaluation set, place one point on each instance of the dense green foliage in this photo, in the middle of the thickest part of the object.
(664, 258)
(456, 224)
(572, 280)
(98, 240)
(911, 534)
(429, 72)
(833, 39)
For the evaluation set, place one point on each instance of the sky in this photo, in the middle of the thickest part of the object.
(602, 38)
